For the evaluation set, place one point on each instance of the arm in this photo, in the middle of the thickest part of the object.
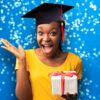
(23, 86)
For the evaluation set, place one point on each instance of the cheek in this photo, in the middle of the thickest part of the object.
(58, 37)
(39, 40)
(56, 40)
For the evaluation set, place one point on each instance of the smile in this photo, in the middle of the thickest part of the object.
(47, 45)
(47, 48)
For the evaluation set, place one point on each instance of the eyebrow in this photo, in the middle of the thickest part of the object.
(54, 28)
(50, 29)
(40, 27)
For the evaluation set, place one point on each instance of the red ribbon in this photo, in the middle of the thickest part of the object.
(62, 31)
(63, 74)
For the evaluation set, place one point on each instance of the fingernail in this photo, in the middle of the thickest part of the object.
(20, 46)
(2, 46)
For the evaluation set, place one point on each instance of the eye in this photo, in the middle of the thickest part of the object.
(40, 33)
(53, 33)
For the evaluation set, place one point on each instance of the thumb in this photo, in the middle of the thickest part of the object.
(20, 48)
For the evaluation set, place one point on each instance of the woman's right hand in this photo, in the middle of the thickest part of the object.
(18, 52)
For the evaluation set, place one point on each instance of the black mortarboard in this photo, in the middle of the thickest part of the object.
(48, 12)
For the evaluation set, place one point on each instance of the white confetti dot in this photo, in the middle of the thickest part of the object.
(3, 83)
(93, 6)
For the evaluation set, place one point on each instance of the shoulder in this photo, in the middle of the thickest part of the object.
(29, 53)
(73, 57)
(31, 50)
(28, 50)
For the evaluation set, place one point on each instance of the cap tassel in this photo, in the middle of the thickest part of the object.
(62, 31)
(62, 25)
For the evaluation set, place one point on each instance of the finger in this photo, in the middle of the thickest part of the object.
(3, 40)
(20, 48)
(15, 53)
(75, 94)
(64, 96)
(5, 48)
(67, 94)
(6, 43)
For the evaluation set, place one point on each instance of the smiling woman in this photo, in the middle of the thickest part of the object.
(48, 38)
(33, 66)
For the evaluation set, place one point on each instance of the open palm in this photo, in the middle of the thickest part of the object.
(18, 52)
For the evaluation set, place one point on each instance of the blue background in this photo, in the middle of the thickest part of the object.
(82, 37)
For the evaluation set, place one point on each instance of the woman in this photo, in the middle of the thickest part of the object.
(33, 66)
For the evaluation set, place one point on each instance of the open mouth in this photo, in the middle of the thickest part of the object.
(47, 48)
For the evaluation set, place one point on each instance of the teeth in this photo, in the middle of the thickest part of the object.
(47, 45)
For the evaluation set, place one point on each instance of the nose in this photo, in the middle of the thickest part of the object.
(46, 38)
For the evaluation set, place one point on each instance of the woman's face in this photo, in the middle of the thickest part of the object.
(48, 38)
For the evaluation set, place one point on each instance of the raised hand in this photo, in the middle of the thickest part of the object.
(18, 52)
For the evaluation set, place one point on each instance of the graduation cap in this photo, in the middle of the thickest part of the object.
(48, 12)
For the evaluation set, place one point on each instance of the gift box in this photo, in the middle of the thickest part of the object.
(64, 82)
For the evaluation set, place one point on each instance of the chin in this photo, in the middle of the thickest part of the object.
(48, 54)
